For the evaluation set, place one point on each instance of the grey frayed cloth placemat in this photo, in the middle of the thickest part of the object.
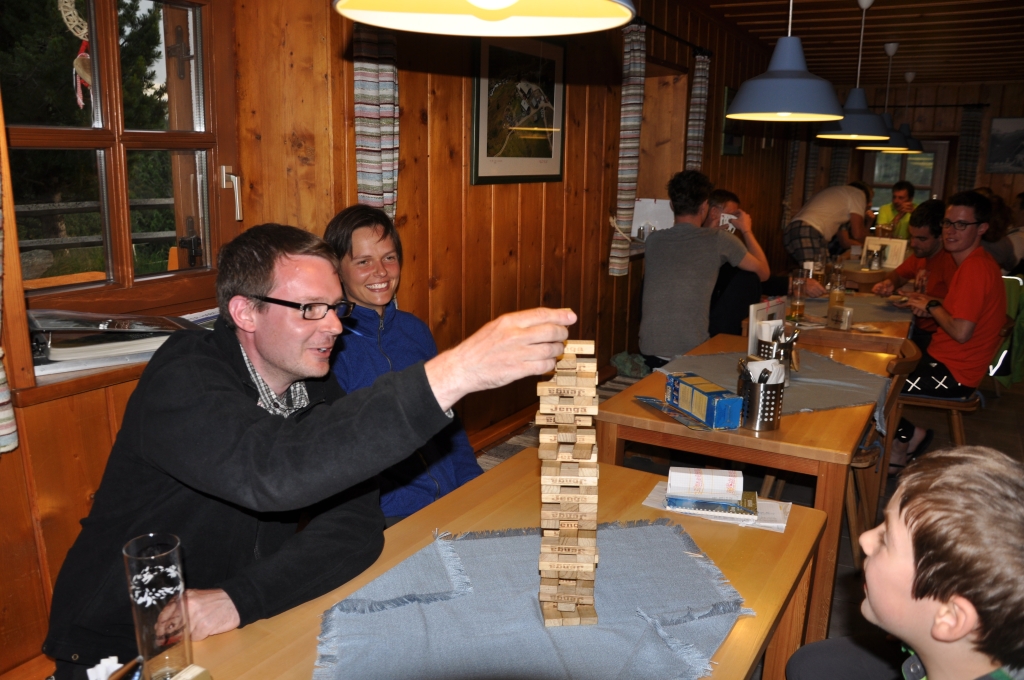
(468, 608)
(819, 385)
(866, 309)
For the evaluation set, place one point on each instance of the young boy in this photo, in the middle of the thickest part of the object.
(944, 573)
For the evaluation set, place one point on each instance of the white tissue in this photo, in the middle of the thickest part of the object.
(104, 669)
(778, 372)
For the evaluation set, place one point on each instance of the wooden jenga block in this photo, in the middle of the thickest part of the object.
(579, 347)
(568, 434)
(587, 380)
(583, 451)
(565, 378)
(584, 537)
(540, 419)
(588, 524)
(547, 451)
(569, 469)
(588, 470)
(552, 617)
(570, 618)
(549, 585)
(566, 606)
(549, 532)
(586, 435)
(566, 361)
(564, 564)
(573, 496)
(574, 389)
(582, 401)
(548, 524)
(588, 615)
(586, 365)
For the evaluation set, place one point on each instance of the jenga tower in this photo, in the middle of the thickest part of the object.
(568, 491)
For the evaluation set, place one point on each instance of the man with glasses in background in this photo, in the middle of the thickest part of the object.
(239, 442)
(969, 318)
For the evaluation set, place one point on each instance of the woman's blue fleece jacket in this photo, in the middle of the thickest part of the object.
(372, 346)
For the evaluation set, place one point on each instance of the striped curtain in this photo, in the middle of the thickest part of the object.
(969, 147)
(698, 113)
(839, 170)
(634, 66)
(8, 428)
(376, 111)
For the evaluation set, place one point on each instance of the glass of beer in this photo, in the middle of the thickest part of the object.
(797, 295)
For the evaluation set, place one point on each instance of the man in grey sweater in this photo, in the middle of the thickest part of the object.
(682, 266)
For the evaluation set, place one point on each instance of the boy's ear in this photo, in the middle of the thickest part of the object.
(954, 620)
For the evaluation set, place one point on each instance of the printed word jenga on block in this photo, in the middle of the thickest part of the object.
(569, 488)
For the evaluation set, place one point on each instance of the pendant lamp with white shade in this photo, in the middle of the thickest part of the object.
(896, 139)
(787, 91)
(913, 146)
(490, 18)
(859, 122)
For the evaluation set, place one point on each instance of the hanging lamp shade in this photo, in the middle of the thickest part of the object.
(858, 123)
(896, 139)
(787, 91)
(493, 18)
(912, 145)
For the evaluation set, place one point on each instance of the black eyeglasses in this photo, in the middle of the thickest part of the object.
(959, 226)
(312, 311)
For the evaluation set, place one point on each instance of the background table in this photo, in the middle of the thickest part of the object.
(820, 444)
(771, 571)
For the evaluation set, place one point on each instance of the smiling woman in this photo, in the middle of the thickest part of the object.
(377, 339)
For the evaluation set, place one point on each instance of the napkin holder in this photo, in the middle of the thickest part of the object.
(784, 352)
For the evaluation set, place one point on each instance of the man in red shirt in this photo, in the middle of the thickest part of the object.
(970, 317)
(930, 268)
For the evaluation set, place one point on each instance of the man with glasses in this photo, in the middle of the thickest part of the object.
(239, 442)
(969, 318)
(929, 269)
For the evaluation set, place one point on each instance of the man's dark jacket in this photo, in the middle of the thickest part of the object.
(198, 458)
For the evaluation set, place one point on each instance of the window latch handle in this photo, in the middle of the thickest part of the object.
(230, 180)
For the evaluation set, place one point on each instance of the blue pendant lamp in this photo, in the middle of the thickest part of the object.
(913, 145)
(896, 142)
(859, 122)
(491, 18)
(787, 91)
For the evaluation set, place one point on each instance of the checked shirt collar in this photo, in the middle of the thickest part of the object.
(294, 399)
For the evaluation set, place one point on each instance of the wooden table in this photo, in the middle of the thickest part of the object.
(820, 444)
(863, 279)
(770, 570)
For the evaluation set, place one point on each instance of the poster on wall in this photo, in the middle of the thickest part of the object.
(1006, 146)
(518, 112)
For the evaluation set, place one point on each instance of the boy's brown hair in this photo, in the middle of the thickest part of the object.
(964, 508)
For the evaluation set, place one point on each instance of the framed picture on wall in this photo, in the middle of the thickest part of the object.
(1006, 146)
(732, 130)
(518, 111)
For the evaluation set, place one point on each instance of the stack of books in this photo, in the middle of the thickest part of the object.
(714, 494)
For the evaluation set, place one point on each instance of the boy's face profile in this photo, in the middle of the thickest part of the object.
(889, 569)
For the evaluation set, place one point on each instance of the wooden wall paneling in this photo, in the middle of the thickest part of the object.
(412, 210)
(117, 401)
(66, 465)
(340, 72)
(606, 347)
(24, 601)
(946, 116)
(595, 215)
(553, 253)
(446, 178)
(575, 177)
(531, 241)
(662, 134)
(505, 223)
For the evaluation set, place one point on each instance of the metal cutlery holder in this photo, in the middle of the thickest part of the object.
(783, 351)
(762, 405)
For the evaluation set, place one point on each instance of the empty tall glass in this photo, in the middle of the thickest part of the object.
(156, 588)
